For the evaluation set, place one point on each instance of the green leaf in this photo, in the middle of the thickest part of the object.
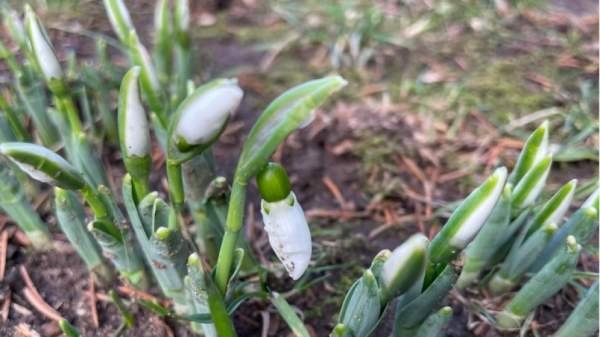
(68, 329)
(285, 114)
(583, 321)
(433, 325)
(43, 165)
(362, 306)
(289, 315)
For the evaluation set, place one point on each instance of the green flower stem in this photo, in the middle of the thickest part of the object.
(92, 197)
(583, 321)
(216, 304)
(175, 178)
(65, 103)
(141, 187)
(235, 215)
(543, 285)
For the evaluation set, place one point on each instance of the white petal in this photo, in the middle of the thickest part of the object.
(33, 172)
(400, 256)
(205, 116)
(43, 52)
(476, 219)
(558, 214)
(137, 136)
(289, 234)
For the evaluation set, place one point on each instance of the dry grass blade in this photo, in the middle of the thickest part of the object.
(335, 191)
(6, 306)
(3, 252)
(35, 299)
(92, 296)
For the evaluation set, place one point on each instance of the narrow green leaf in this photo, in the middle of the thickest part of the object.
(583, 321)
(285, 114)
(433, 325)
(43, 165)
(289, 315)
(68, 329)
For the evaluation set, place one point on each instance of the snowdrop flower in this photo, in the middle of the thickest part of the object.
(284, 220)
(202, 116)
(404, 266)
(466, 221)
(532, 184)
(535, 149)
(133, 124)
(41, 47)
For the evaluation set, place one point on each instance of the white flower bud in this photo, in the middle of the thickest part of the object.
(288, 233)
(41, 47)
(471, 225)
(405, 265)
(203, 115)
(136, 130)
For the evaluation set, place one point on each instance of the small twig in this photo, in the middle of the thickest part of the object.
(334, 213)
(92, 296)
(3, 252)
(35, 298)
(335, 191)
(127, 291)
(40, 305)
(266, 322)
(21, 238)
(6, 306)
(397, 221)
(26, 331)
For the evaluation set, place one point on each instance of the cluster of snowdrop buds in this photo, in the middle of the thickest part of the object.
(284, 220)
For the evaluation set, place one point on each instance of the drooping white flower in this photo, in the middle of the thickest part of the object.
(289, 234)
(204, 114)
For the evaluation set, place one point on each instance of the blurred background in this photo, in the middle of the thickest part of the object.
(440, 93)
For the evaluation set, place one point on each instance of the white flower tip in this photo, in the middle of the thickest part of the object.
(470, 227)
(42, 48)
(204, 115)
(592, 200)
(137, 134)
(397, 261)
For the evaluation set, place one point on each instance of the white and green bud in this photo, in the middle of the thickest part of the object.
(554, 209)
(182, 16)
(202, 116)
(41, 47)
(404, 266)
(535, 149)
(285, 223)
(532, 184)
(134, 131)
(119, 18)
(133, 124)
(466, 221)
(43, 165)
